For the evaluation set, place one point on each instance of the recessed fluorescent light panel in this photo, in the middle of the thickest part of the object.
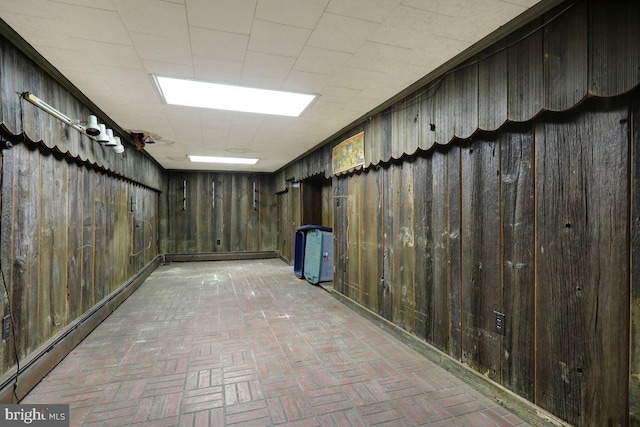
(228, 160)
(192, 93)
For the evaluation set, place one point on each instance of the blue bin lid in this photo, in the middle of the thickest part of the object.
(313, 227)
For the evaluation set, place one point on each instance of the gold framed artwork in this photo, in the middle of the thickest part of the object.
(348, 154)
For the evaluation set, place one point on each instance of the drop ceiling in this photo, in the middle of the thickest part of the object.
(354, 54)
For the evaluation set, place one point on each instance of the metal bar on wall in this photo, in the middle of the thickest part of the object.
(184, 195)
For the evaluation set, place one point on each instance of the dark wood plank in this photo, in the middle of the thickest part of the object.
(75, 247)
(614, 36)
(423, 248)
(88, 240)
(387, 244)
(481, 256)
(517, 208)
(401, 243)
(465, 102)
(444, 92)
(565, 57)
(100, 238)
(634, 365)
(355, 208)
(7, 167)
(582, 274)
(25, 248)
(340, 200)
(492, 87)
(454, 256)
(252, 229)
(438, 283)
(526, 77)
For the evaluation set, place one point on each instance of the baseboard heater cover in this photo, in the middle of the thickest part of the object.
(220, 256)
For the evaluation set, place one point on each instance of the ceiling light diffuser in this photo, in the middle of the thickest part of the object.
(228, 160)
(192, 93)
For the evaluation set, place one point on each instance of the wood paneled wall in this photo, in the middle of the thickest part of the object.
(219, 213)
(531, 223)
(68, 235)
(69, 239)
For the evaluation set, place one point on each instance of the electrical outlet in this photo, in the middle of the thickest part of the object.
(501, 323)
(6, 327)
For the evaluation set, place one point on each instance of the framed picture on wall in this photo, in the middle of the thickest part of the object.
(348, 154)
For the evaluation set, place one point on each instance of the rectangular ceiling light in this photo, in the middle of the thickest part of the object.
(228, 160)
(192, 93)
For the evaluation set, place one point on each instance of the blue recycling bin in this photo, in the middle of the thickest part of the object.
(318, 257)
(300, 246)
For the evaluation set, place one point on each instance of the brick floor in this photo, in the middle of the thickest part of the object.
(245, 343)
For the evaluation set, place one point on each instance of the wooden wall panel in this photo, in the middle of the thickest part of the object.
(340, 188)
(436, 224)
(526, 77)
(454, 249)
(565, 57)
(465, 102)
(353, 233)
(614, 36)
(267, 209)
(24, 271)
(88, 239)
(68, 241)
(481, 255)
(223, 213)
(422, 248)
(100, 236)
(582, 273)
(634, 365)
(52, 243)
(75, 247)
(517, 245)
(400, 245)
(365, 245)
(492, 87)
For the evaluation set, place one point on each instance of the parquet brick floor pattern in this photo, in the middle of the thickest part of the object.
(246, 343)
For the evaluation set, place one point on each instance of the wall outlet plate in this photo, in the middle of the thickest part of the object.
(501, 323)
(6, 327)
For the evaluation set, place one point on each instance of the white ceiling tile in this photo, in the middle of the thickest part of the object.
(261, 81)
(162, 49)
(320, 61)
(34, 8)
(339, 95)
(116, 55)
(218, 44)
(154, 17)
(368, 10)
(358, 78)
(92, 24)
(341, 33)
(297, 13)
(265, 65)
(169, 69)
(68, 60)
(277, 39)
(411, 28)
(379, 57)
(217, 70)
(301, 81)
(234, 16)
